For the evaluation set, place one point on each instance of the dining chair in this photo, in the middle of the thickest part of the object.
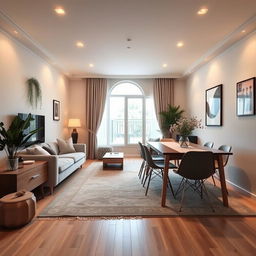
(195, 167)
(225, 148)
(143, 167)
(209, 144)
(156, 167)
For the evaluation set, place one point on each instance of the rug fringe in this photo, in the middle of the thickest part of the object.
(77, 218)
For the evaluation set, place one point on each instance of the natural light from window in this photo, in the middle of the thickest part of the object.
(129, 117)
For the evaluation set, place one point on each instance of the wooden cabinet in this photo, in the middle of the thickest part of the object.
(27, 177)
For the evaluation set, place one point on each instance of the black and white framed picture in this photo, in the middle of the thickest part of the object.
(245, 97)
(56, 110)
(213, 103)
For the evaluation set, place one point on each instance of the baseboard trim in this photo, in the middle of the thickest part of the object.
(240, 188)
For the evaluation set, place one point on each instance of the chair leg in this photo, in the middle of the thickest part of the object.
(179, 187)
(171, 188)
(201, 189)
(149, 179)
(207, 195)
(141, 169)
(144, 174)
(183, 194)
(213, 180)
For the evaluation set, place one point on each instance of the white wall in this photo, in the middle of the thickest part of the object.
(235, 64)
(77, 103)
(17, 64)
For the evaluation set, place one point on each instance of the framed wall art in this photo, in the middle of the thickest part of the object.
(245, 97)
(56, 110)
(213, 106)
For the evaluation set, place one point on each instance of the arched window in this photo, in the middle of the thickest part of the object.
(126, 114)
(129, 116)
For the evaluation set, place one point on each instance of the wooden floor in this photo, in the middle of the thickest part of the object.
(142, 236)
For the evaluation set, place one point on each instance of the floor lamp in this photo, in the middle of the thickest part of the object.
(74, 123)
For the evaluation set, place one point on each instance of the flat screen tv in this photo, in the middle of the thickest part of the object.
(38, 122)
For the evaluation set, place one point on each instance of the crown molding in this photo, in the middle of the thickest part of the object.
(85, 75)
(249, 26)
(7, 25)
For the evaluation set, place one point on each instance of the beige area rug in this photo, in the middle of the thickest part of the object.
(94, 192)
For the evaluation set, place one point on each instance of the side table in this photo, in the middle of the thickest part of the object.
(26, 177)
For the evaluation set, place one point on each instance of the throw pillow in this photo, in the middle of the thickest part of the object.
(49, 150)
(66, 146)
(37, 151)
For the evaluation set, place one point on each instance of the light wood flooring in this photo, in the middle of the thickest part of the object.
(141, 236)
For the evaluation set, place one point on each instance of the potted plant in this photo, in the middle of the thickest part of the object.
(169, 118)
(14, 138)
(184, 127)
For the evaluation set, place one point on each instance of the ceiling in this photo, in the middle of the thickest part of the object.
(104, 26)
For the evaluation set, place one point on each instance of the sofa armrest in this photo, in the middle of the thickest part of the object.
(52, 161)
(80, 148)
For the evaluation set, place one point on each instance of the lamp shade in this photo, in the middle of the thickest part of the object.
(74, 123)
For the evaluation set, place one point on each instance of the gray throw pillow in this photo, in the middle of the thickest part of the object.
(49, 150)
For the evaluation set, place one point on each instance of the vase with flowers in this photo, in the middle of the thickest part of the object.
(184, 128)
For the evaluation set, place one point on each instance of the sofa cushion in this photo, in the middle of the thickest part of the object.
(37, 151)
(66, 146)
(64, 163)
(54, 146)
(49, 150)
(75, 156)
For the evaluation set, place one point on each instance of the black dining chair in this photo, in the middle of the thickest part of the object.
(195, 167)
(225, 148)
(156, 168)
(143, 167)
(209, 144)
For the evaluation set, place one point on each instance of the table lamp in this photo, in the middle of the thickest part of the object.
(74, 123)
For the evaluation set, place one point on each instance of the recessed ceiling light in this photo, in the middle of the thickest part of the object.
(15, 32)
(202, 11)
(164, 65)
(80, 44)
(91, 65)
(180, 44)
(60, 11)
(243, 31)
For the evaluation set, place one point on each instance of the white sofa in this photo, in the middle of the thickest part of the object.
(60, 166)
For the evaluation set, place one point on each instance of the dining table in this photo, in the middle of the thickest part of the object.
(171, 150)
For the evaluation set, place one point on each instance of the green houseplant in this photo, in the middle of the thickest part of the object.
(14, 138)
(34, 92)
(169, 118)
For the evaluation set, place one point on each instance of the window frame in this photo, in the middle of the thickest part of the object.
(126, 97)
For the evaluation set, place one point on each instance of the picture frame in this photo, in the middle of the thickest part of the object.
(56, 110)
(245, 97)
(213, 106)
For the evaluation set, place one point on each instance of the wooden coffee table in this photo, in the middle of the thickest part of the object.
(113, 158)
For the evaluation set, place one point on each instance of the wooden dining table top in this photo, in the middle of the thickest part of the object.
(172, 147)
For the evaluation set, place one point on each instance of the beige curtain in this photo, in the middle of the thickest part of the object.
(96, 91)
(163, 91)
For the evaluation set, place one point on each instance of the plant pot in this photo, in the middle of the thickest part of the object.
(13, 163)
(184, 141)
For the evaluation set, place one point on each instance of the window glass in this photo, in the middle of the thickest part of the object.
(126, 89)
(135, 120)
(117, 122)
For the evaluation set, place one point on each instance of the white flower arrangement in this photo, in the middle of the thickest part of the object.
(185, 126)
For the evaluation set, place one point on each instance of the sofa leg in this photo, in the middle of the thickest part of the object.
(51, 190)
